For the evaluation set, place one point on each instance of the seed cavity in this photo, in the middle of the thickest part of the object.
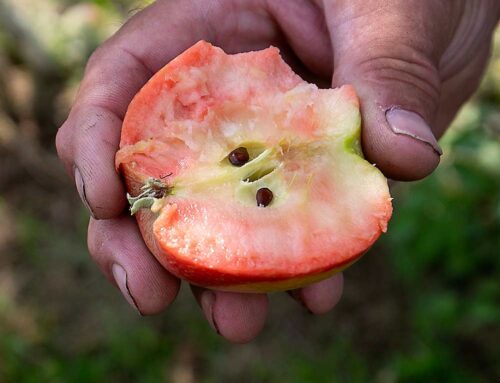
(264, 197)
(260, 173)
(239, 156)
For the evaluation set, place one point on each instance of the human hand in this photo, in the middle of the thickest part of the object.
(421, 56)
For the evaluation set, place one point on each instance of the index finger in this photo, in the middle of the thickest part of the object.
(88, 140)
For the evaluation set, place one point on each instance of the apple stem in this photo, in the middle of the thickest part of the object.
(153, 190)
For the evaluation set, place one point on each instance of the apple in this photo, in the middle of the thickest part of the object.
(244, 177)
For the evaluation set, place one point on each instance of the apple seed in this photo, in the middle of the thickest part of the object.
(239, 156)
(264, 197)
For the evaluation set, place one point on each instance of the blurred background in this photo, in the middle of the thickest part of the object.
(423, 306)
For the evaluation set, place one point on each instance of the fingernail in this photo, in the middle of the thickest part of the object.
(207, 301)
(120, 276)
(411, 124)
(80, 187)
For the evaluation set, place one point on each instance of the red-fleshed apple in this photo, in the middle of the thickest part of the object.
(244, 177)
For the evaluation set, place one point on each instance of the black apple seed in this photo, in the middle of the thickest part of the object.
(239, 156)
(264, 197)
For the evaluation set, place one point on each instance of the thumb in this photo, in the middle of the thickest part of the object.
(389, 52)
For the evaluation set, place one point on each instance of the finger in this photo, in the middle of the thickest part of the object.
(89, 139)
(117, 247)
(392, 62)
(320, 297)
(87, 144)
(304, 26)
(237, 317)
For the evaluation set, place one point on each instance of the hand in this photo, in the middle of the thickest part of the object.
(413, 63)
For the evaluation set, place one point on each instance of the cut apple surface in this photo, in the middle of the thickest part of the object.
(244, 177)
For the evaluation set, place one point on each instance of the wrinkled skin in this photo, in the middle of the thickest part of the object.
(413, 63)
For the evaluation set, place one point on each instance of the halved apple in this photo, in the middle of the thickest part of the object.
(243, 177)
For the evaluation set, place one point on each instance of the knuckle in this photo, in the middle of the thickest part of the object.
(98, 247)
(407, 79)
(63, 142)
(97, 57)
(89, 122)
(418, 74)
(93, 243)
(96, 239)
